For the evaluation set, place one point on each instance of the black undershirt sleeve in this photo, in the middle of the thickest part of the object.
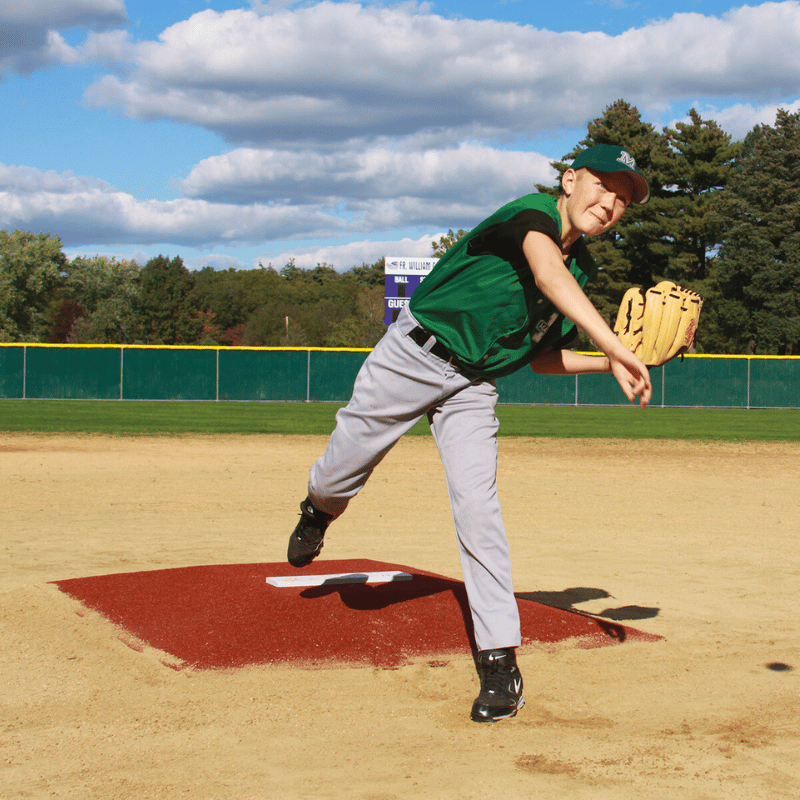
(504, 239)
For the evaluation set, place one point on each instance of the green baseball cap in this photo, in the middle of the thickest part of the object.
(610, 158)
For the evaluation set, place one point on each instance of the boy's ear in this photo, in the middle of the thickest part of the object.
(568, 181)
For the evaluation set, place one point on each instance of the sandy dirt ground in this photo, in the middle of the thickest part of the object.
(695, 542)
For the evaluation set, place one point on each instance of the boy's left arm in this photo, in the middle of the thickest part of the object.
(567, 362)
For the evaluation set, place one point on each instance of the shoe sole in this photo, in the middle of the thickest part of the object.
(498, 718)
(298, 563)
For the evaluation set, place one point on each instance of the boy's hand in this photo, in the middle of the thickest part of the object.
(631, 374)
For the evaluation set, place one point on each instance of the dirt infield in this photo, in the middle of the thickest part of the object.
(693, 542)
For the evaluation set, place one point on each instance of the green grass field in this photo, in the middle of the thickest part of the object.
(159, 418)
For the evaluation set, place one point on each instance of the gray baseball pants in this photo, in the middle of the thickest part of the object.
(399, 383)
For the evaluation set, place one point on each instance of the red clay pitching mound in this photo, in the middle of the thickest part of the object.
(224, 616)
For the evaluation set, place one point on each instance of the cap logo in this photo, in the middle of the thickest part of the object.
(627, 159)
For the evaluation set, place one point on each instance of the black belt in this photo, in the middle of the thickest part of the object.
(422, 337)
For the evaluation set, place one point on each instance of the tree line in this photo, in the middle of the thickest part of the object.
(723, 219)
(46, 298)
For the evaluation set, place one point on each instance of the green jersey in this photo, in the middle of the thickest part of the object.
(481, 300)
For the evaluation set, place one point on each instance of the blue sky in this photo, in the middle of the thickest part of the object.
(238, 133)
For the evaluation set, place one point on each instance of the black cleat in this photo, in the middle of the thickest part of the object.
(501, 686)
(306, 540)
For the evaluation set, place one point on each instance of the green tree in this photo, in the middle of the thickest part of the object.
(297, 307)
(170, 311)
(302, 308)
(326, 309)
(446, 241)
(704, 158)
(108, 294)
(291, 272)
(365, 326)
(30, 273)
(270, 326)
(234, 296)
(370, 274)
(758, 269)
(322, 274)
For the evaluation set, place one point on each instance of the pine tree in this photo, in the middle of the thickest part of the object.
(704, 157)
(759, 260)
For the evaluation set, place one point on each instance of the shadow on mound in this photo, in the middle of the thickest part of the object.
(567, 599)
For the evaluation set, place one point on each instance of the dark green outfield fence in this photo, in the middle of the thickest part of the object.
(113, 372)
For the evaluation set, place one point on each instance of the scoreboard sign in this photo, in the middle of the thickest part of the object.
(403, 275)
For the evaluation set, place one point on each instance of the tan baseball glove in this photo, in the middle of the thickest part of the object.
(660, 323)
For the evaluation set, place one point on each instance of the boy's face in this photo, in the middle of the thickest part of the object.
(596, 200)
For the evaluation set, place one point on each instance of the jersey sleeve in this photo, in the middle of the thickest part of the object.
(504, 239)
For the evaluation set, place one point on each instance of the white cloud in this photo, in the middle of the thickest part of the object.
(109, 46)
(23, 180)
(387, 170)
(345, 256)
(61, 13)
(738, 120)
(27, 51)
(84, 211)
(29, 28)
(333, 71)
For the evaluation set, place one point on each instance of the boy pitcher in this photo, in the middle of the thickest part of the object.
(506, 295)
